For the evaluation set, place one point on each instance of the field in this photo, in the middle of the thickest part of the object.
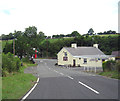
(57, 39)
(110, 35)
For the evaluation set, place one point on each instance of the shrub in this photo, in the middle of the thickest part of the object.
(10, 63)
(117, 66)
(109, 65)
(26, 59)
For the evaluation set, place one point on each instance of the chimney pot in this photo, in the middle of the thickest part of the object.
(74, 45)
(95, 45)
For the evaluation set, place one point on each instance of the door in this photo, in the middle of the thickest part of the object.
(74, 62)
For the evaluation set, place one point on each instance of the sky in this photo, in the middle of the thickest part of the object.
(58, 16)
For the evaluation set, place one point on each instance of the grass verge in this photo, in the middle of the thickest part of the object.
(16, 85)
(111, 74)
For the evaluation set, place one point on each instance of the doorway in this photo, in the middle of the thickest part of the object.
(74, 63)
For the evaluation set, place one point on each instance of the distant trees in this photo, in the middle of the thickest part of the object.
(107, 32)
(73, 34)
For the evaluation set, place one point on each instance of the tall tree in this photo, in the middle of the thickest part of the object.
(91, 31)
(75, 33)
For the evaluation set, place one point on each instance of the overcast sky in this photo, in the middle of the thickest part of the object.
(59, 16)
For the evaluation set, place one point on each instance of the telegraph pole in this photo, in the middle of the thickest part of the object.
(14, 45)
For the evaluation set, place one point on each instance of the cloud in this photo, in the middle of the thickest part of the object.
(6, 12)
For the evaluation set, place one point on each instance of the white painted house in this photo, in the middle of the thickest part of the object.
(81, 56)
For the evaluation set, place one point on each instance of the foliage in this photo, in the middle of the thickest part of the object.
(17, 82)
(10, 64)
(117, 66)
(29, 39)
(111, 69)
(73, 34)
(8, 47)
(107, 32)
(91, 31)
(109, 65)
(26, 60)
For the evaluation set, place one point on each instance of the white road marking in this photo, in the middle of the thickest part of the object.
(61, 73)
(56, 71)
(30, 91)
(70, 77)
(89, 87)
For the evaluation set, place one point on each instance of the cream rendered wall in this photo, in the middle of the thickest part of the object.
(89, 63)
(60, 56)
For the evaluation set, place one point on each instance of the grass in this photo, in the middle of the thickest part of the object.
(57, 39)
(111, 74)
(16, 85)
(109, 35)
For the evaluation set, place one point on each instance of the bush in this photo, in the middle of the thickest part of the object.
(109, 65)
(117, 66)
(26, 59)
(10, 63)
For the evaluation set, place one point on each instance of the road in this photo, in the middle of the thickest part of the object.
(64, 83)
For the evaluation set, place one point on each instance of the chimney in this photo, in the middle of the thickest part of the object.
(95, 45)
(74, 45)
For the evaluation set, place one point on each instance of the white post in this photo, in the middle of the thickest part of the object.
(84, 68)
(87, 69)
(95, 69)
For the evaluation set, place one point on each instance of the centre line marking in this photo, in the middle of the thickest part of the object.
(70, 77)
(61, 73)
(55, 71)
(89, 87)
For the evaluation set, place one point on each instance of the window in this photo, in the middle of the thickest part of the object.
(65, 53)
(85, 60)
(98, 58)
(65, 58)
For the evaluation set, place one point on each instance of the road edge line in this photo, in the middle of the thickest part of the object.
(26, 95)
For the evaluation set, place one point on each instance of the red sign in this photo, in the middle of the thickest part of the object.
(35, 54)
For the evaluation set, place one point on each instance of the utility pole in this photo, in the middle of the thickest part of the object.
(14, 45)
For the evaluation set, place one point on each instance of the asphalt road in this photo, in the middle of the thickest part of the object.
(64, 83)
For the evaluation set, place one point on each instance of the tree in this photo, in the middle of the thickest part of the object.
(91, 31)
(17, 34)
(41, 34)
(75, 34)
(30, 32)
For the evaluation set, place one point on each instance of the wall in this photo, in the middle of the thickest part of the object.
(61, 55)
